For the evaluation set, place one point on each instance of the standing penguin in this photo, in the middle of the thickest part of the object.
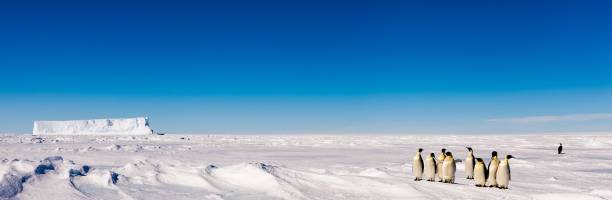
(469, 164)
(449, 168)
(480, 173)
(439, 164)
(503, 173)
(417, 166)
(491, 182)
(430, 167)
(560, 149)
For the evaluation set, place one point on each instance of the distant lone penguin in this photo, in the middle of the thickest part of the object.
(560, 149)
(480, 173)
(439, 164)
(493, 164)
(430, 167)
(469, 164)
(417, 166)
(503, 173)
(449, 168)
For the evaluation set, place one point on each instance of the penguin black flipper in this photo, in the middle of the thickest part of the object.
(422, 163)
(474, 162)
(486, 169)
(509, 173)
(435, 166)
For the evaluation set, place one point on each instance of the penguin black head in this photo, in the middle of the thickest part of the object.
(509, 156)
(494, 153)
(420, 150)
(448, 153)
(469, 148)
(560, 144)
(432, 155)
(479, 160)
(443, 150)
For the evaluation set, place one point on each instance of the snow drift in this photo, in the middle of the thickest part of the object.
(127, 126)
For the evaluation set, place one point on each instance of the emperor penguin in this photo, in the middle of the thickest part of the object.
(491, 182)
(417, 166)
(560, 149)
(503, 173)
(469, 164)
(430, 167)
(480, 173)
(439, 164)
(449, 168)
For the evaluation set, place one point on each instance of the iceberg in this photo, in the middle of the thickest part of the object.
(125, 126)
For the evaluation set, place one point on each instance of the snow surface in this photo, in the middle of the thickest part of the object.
(291, 167)
(127, 126)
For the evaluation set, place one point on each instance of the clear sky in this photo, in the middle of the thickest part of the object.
(310, 66)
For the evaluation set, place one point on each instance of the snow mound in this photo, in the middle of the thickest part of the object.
(127, 126)
(12, 176)
(252, 178)
(184, 176)
(97, 177)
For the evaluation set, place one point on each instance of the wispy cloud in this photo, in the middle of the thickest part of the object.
(553, 118)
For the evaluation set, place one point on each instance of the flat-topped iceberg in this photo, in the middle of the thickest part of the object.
(126, 126)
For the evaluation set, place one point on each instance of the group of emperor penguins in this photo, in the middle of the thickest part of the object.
(496, 174)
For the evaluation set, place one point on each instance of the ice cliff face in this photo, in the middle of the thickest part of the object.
(127, 126)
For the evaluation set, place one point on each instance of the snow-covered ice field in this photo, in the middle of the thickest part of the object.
(291, 167)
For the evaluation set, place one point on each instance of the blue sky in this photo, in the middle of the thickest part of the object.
(310, 66)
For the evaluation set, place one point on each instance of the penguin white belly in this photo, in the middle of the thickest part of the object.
(469, 167)
(503, 175)
(491, 181)
(440, 169)
(449, 168)
(479, 175)
(417, 167)
(430, 169)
